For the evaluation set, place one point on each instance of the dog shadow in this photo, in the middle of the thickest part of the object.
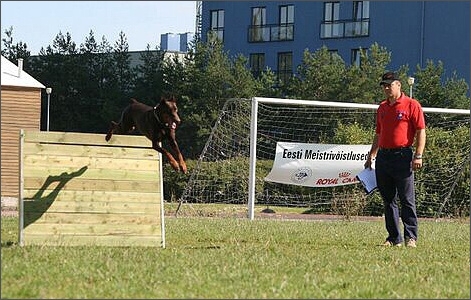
(39, 204)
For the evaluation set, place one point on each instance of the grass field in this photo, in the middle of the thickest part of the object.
(239, 258)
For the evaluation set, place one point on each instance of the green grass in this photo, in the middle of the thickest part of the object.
(238, 258)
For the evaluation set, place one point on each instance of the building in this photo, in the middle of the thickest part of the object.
(173, 44)
(21, 109)
(176, 42)
(275, 34)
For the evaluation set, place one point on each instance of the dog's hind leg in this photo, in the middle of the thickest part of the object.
(124, 126)
(113, 127)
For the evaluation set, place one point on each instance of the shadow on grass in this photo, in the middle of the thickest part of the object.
(34, 209)
(8, 244)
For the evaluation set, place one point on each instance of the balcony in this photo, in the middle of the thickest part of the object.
(345, 29)
(271, 33)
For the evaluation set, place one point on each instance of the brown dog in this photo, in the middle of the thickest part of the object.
(156, 123)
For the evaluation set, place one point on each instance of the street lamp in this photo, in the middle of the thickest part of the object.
(48, 92)
(410, 81)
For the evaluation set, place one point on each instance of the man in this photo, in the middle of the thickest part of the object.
(399, 121)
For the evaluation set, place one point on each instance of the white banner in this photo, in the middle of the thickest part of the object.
(317, 165)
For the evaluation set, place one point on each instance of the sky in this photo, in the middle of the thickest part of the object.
(37, 23)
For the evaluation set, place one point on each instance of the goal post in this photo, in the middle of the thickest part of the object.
(253, 133)
(240, 152)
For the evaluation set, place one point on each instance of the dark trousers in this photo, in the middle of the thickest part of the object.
(395, 180)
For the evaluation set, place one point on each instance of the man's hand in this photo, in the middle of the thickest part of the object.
(368, 162)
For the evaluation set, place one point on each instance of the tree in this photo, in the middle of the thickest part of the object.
(175, 76)
(267, 84)
(150, 76)
(361, 84)
(320, 76)
(93, 83)
(125, 76)
(455, 90)
(13, 51)
(435, 91)
(58, 66)
(118, 78)
(242, 83)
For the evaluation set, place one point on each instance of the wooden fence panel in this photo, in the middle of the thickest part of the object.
(78, 189)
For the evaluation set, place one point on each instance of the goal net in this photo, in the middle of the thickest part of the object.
(240, 153)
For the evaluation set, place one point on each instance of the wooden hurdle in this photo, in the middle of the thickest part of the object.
(78, 189)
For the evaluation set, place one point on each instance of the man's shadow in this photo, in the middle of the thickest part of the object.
(34, 209)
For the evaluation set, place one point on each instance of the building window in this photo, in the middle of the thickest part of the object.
(331, 26)
(358, 26)
(259, 16)
(257, 63)
(361, 19)
(333, 52)
(361, 10)
(217, 23)
(356, 57)
(259, 31)
(286, 22)
(285, 66)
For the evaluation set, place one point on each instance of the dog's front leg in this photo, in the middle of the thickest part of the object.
(176, 150)
(173, 162)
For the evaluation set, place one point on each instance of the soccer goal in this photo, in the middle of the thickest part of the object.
(240, 152)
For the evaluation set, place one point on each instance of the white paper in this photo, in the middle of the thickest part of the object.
(367, 178)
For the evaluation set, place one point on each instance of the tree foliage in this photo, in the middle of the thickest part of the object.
(93, 82)
(13, 51)
(320, 76)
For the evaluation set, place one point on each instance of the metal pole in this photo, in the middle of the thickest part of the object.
(410, 81)
(48, 91)
(253, 159)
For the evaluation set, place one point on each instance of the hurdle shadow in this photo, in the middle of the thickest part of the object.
(39, 204)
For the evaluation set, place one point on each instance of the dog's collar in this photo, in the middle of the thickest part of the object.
(157, 116)
(164, 125)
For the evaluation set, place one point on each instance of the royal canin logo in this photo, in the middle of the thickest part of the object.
(344, 174)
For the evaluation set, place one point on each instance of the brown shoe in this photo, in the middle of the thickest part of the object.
(391, 244)
(411, 243)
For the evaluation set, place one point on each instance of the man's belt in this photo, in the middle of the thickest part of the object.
(391, 150)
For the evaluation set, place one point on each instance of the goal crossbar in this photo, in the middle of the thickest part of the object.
(253, 130)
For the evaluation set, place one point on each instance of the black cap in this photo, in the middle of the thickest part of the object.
(388, 78)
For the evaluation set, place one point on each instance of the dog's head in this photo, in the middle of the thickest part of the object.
(167, 112)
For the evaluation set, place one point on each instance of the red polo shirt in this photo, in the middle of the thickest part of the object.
(397, 124)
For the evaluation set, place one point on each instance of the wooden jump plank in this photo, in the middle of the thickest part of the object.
(78, 189)
(150, 217)
(115, 241)
(98, 185)
(95, 229)
(90, 207)
(89, 151)
(100, 196)
(90, 173)
(87, 139)
(126, 163)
